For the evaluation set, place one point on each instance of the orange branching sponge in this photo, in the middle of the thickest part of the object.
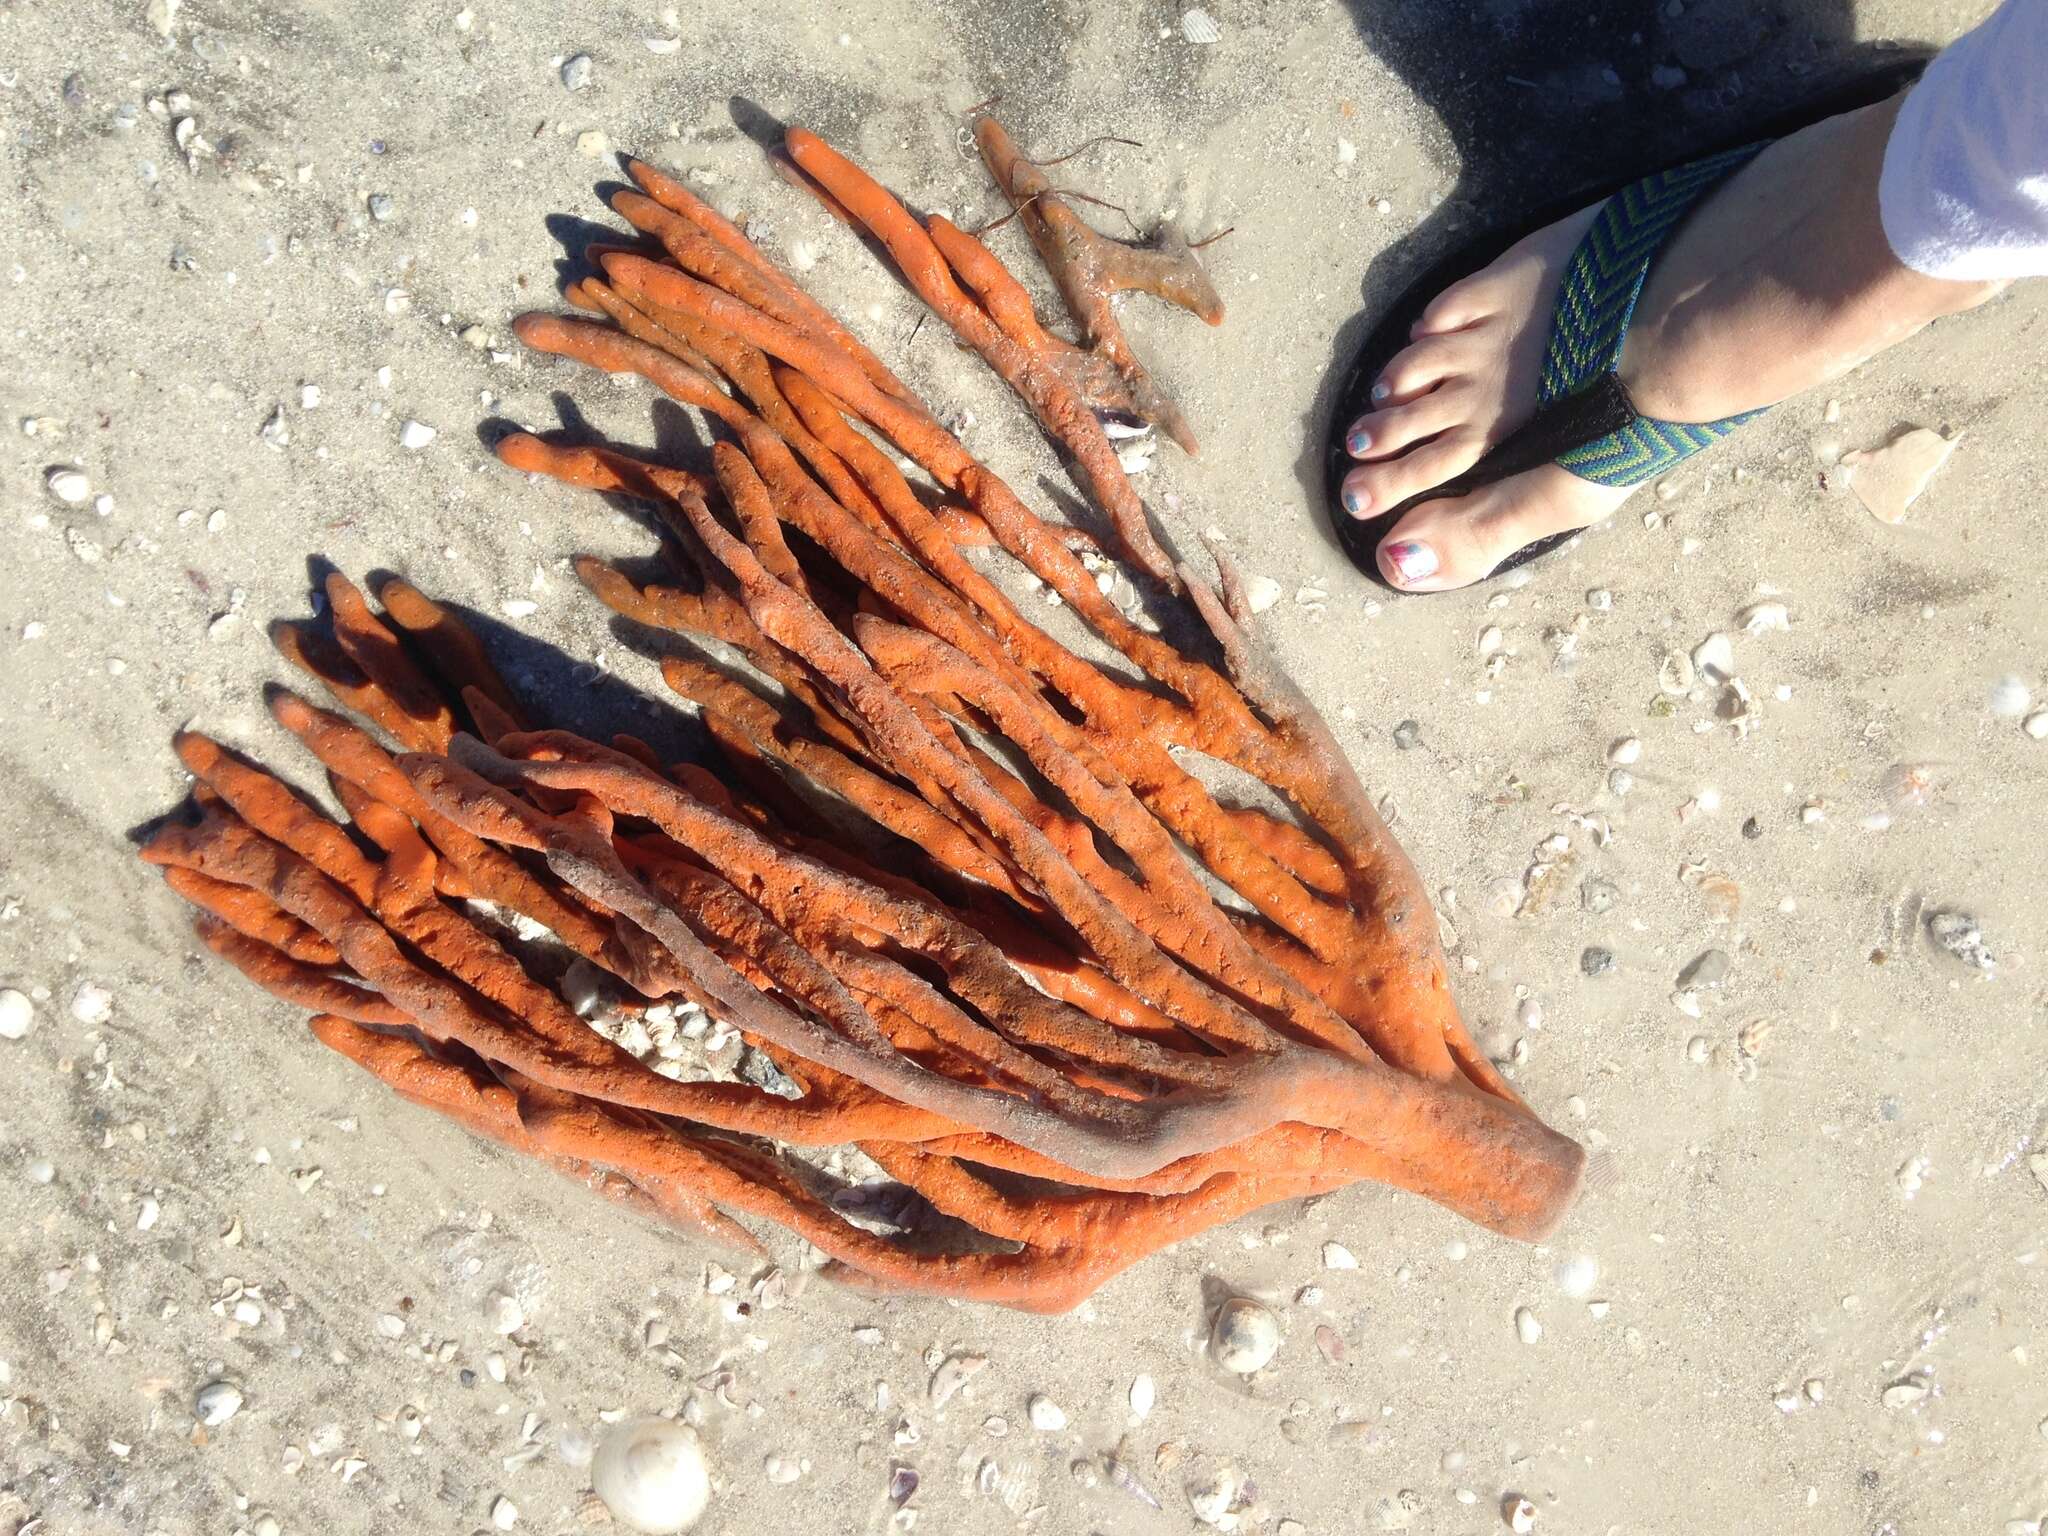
(952, 880)
(1092, 269)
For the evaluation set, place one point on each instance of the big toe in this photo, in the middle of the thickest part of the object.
(1454, 541)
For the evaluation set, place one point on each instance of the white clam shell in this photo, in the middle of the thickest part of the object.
(651, 1475)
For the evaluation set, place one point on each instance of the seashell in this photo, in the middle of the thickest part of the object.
(1577, 1276)
(953, 1373)
(650, 1474)
(1199, 27)
(68, 485)
(1959, 934)
(216, 1402)
(1124, 1478)
(1046, 1415)
(2010, 697)
(1715, 658)
(1211, 1499)
(1707, 969)
(1135, 456)
(1906, 1391)
(1890, 479)
(1245, 1336)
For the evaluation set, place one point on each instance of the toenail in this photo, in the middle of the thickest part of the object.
(1360, 441)
(1356, 502)
(1411, 561)
(1381, 390)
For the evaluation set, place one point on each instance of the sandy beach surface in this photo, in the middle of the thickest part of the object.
(1806, 1290)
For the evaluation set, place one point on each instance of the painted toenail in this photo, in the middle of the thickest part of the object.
(1356, 502)
(1360, 441)
(1411, 561)
(1381, 390)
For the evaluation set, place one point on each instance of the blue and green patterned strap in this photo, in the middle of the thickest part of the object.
(1594, 305)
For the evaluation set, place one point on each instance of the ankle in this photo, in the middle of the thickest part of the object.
(1935, 297)
(1787, 283)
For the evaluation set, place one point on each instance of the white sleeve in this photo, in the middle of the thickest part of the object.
(1964, 193)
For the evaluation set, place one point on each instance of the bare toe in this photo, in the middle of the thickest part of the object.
(1385, 432)
(1419, 366)
(1374, 487)
(1458, 306)
(1456, 541)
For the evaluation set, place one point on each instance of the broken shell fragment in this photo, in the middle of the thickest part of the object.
(1890, 479)
(1907, 1391)
(1763, 618)
(1143, 1394)
(1959, 934)
(953, 1373)
(17, 1014)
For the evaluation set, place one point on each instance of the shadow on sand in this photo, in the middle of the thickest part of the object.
(1546, 104)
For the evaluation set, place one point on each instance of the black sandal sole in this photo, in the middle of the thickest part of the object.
(1565, 424)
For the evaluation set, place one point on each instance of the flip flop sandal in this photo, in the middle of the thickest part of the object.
(1584, 418)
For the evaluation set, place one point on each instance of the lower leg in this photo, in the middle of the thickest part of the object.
(1791, 284)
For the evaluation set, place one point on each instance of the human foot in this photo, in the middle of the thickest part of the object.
(1779, 279)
